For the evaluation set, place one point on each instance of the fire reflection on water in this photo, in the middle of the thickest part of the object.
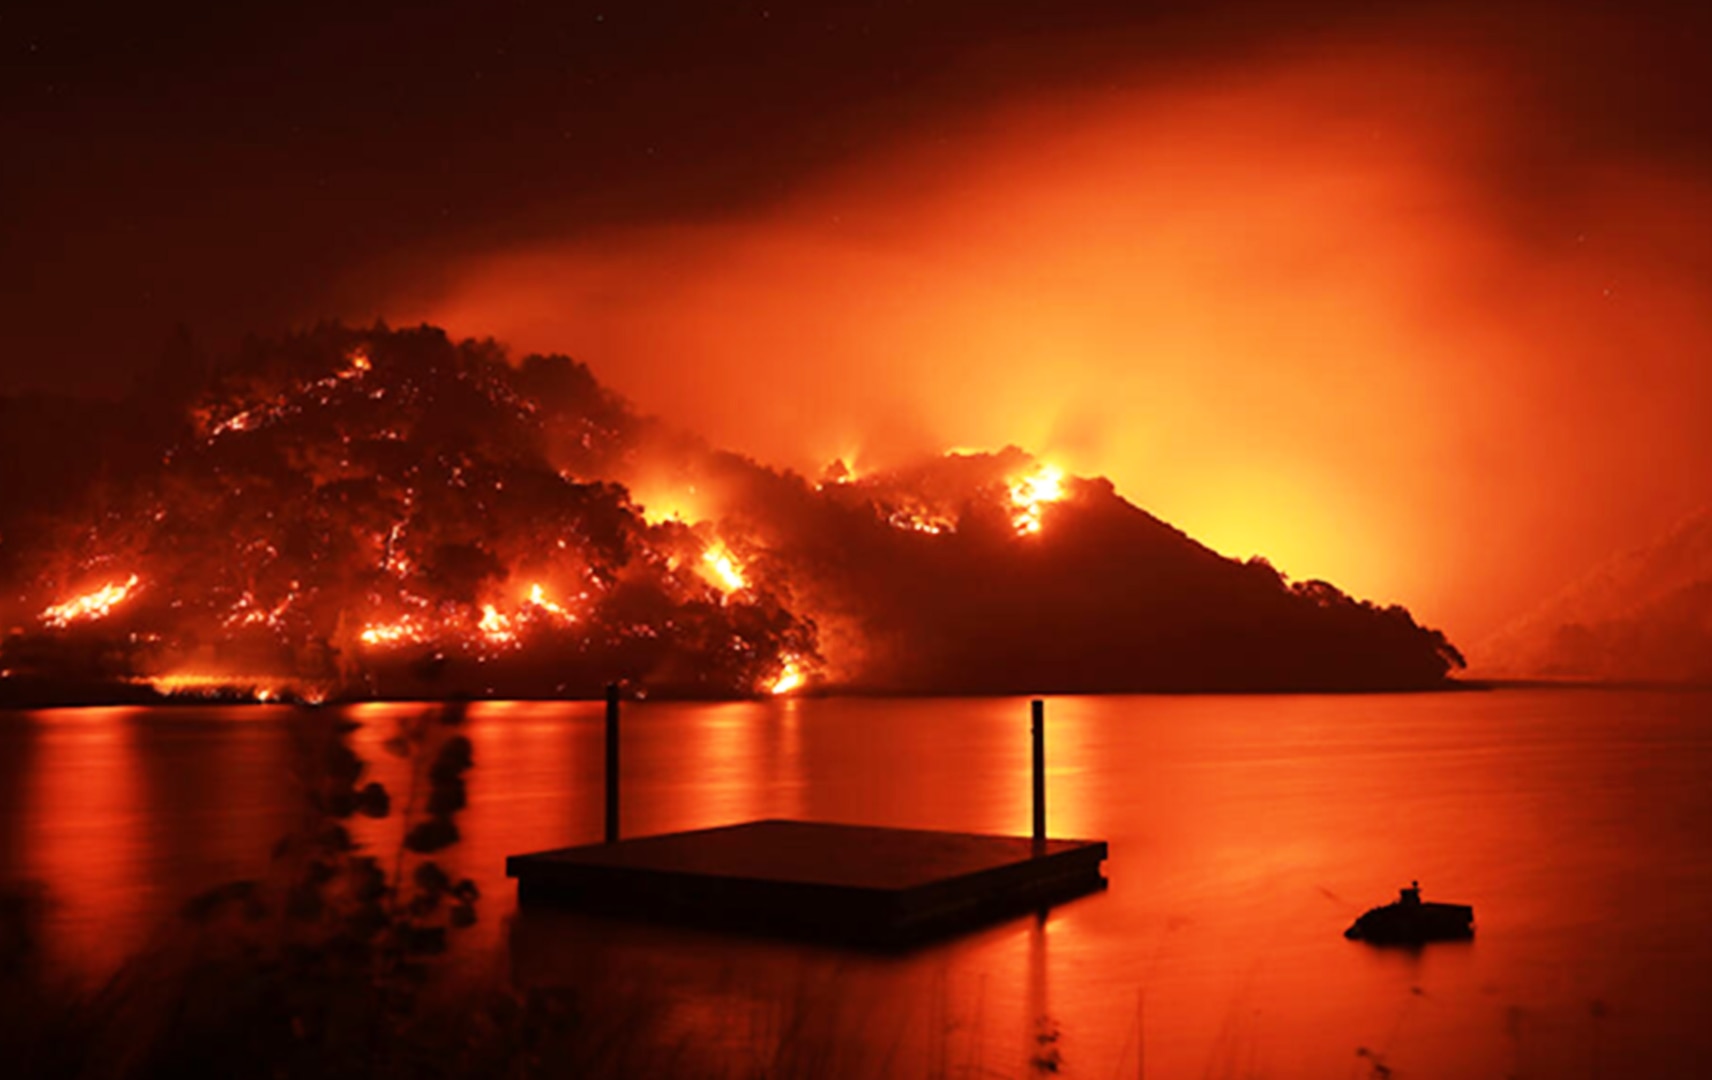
(726, 762)
(122, 813)
(1245, 833)
(85, 834)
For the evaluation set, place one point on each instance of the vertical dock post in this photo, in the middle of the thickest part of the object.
(612, 763)
(1038, 731)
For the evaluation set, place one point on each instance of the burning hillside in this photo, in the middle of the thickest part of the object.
(389, 513)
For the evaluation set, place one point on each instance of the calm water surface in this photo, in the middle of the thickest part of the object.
(1246, 833)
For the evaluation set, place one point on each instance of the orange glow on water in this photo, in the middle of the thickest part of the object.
(1242, 843)
(86, 795)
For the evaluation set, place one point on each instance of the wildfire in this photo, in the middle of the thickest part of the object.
(659, 504)
(346, 428)
(246, 612)
(241, 421)
(393, 633)
(496, 627)
(92, 605)
(913, 522)
(791, 678)
(838, 472)
(724, 569)
(538, 598)
(258, 688)
(1030, 495)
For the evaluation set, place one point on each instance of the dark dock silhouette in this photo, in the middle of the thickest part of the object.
(849, 883)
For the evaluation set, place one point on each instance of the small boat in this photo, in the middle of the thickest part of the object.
(1411, 921)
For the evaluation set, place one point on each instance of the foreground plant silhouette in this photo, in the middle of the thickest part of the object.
(318, 968)
(332, 964)
(335, 945)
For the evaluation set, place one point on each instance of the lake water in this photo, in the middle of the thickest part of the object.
(1245, 832)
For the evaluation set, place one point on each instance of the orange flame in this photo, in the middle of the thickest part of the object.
(914, 522)
(791, 678)
(393, 633)
(724, 569)
(495, 626)
(538, 598)
(259, 688)
(1030, 495)
(92, 605)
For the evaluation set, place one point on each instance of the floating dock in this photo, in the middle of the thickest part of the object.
(853, 883)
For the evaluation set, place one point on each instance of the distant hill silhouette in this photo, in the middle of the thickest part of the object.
(388, 512)
(1105, 597)
(1646, 615)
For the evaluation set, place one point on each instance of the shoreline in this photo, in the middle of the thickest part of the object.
(140, 696)
(124, 695)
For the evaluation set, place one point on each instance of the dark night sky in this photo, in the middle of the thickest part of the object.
(1535, 217)
(221, 164)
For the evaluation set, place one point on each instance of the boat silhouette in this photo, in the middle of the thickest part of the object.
(1410, 921)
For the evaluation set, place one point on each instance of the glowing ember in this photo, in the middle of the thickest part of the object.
(791, 678)
(93, 605)
(260, 688)
(538, 598)
(1030, 495)
(724, 569)
(912, 522)
(359, 358)
(239, 422)
(495, 626)
(394, 633)
(247, 613)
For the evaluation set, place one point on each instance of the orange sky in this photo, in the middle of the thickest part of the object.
(1293, 305)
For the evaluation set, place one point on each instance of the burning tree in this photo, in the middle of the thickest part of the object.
(349, 505)
(360, 511)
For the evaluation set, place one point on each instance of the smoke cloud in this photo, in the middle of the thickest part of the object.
(1397, 309)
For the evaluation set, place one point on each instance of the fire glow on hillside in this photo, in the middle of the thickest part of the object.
(722, 569)
(91, 605)
(386, 513)
(1032, 493)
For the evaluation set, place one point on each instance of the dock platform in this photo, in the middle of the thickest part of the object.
(851, 883)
